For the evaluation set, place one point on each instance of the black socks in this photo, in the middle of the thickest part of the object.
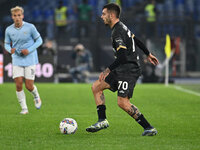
(143, 122)
(101, 110)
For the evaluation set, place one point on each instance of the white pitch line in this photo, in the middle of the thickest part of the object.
(186, 90)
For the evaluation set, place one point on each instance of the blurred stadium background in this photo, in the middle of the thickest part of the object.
(178, 18)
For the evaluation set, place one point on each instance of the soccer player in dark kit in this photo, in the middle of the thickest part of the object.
(122, 74)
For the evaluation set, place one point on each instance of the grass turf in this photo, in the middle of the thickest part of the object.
(175, 114)
(193, 87)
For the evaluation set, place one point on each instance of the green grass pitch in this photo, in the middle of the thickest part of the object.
(175, 114)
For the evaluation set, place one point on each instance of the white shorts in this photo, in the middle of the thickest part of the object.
(26, 72)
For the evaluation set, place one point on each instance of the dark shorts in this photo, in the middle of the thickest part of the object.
(123, 83)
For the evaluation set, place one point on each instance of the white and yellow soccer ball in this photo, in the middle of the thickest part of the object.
(68, 126)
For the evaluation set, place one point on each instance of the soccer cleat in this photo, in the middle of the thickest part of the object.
(38, 103)
(24, 111)
(98, 126)
(150, 132)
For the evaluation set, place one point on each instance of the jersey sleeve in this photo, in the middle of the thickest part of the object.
(37, 43)
(141, 46)
(38, 40)
(7, 41)
(120, 52)
(7, 37)
(34, 32)
(118, 41)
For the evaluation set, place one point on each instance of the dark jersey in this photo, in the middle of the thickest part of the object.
(124, 45)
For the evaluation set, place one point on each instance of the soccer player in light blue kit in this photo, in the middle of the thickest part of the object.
(22, 40)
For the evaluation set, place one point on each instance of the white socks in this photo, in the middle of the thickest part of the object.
(22, 99)
(35, 93)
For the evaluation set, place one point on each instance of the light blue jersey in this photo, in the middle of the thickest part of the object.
(25, 37)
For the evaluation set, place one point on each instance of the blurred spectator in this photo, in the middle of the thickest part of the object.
(49, 47)
(150, 13)
(85, 18)
(61, 20)
(83, 64)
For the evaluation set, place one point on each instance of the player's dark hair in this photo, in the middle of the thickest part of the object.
(113, 7)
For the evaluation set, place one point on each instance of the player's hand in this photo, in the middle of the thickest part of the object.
(13, 50)
(152, 59)
(24, 52)
(104, 74)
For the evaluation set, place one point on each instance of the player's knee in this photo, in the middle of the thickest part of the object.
(19, 86)
(95, 87)
(29, 87)
(121, 103)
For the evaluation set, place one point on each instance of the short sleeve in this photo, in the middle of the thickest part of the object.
(35, 33)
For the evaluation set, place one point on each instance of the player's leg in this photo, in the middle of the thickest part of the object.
(126, 86)
(124, 103)
(134, 112)
(18, 73)
(29, 83)
(97, 89)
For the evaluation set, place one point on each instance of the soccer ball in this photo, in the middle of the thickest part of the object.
(68, 126)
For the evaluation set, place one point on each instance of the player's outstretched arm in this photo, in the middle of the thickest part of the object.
(152, 59)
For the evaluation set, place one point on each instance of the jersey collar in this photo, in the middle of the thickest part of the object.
(115, 25)
(19, 27)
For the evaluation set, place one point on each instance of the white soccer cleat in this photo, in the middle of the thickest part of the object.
(150, 132)
(98, 126)
(24, 111)
(38, 103)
